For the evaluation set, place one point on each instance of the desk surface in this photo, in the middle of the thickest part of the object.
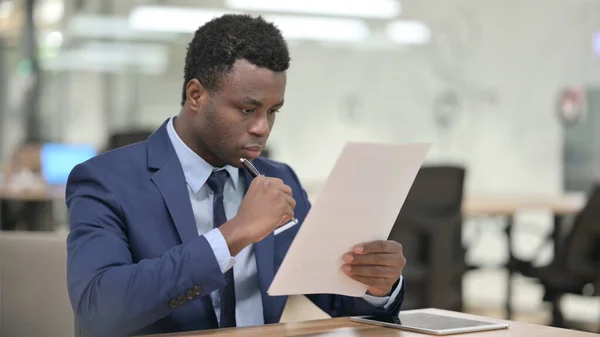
(339, 327)
(50, 194)
(562, 204)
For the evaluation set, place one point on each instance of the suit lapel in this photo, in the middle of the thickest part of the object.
(265, 263)
(170, 181)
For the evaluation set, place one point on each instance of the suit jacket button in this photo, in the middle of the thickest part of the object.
(198, 290)
(173, 304)
(182, 299)
(190, 294)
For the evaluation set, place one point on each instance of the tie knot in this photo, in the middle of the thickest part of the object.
(216, 181)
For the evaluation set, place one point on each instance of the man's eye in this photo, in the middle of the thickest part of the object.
(247, 111)
(273, 111)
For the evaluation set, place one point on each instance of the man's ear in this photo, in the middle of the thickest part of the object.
(195, 94)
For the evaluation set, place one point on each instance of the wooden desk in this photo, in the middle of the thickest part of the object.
(41, 195)
(339, 327)
(508, 205)
(45, 193)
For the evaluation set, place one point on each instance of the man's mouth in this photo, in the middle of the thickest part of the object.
(252, 152)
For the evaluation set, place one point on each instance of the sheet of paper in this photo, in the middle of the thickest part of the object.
(359, 203)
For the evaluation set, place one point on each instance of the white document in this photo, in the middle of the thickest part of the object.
(359, 203)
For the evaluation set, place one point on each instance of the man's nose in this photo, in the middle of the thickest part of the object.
(260, 126)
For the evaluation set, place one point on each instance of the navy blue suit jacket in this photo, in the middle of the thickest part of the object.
(134, 250)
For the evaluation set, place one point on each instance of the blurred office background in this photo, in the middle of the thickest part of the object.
(508, 93)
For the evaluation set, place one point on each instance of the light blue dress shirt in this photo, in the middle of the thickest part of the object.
(247, 288)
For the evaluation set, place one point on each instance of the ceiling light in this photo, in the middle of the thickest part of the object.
(320, 29)
(171, 19)
(111, 57)
(408, 32)
(50, 11)
(6, 9)
(382, 9)
(53, 40)
(100, 27)
(187, 20)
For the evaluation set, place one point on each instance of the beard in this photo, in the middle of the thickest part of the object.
(216, 139)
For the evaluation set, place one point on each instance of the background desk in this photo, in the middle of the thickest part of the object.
(40, 206)
(339, 327)
(56, 194)
(506, 206)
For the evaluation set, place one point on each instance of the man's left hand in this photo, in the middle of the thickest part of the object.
(377, 264)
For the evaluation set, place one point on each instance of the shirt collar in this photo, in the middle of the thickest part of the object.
(195, 169)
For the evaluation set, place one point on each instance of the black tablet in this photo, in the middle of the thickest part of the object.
(435, 324)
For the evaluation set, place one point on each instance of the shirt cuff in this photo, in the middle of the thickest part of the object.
(385, 301)
(220, 249)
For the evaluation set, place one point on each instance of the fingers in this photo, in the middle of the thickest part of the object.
(376, 286)
(382, 259)
(286, 192)
(291, 203)
(379, 280)
(372, 271)
(376, 264)
(279, 193)
(265, 179)
(285, 189)
(274, 183)
(378, 247)
(286, 205)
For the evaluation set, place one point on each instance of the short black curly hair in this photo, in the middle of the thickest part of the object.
(222, 41)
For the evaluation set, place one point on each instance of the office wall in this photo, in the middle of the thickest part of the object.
(504, 60)
(3, 87)
(11, 128)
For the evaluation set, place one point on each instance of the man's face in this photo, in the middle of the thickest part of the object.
(235, 121)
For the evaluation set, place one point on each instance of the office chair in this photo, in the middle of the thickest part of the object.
(123, 138)
(429, 227)
(577, 263)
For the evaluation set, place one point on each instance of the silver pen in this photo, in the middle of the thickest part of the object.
(254, 173)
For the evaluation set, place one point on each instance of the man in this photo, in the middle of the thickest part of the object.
(170, 234)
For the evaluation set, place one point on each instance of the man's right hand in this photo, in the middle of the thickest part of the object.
(267, 205)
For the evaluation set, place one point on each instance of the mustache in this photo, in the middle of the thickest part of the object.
(256, 143)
